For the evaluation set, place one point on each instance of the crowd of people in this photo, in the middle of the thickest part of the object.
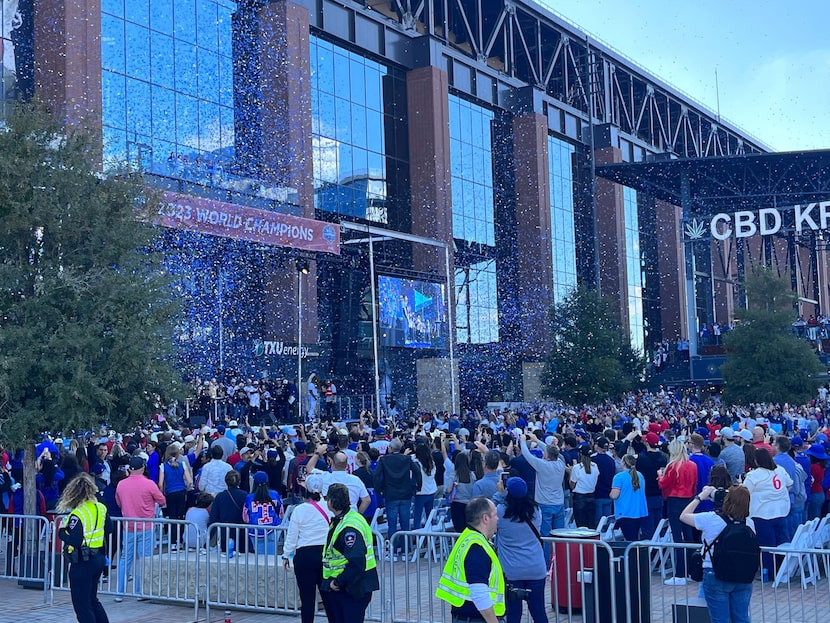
(639, 460)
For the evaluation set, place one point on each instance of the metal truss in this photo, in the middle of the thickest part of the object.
(523, 42)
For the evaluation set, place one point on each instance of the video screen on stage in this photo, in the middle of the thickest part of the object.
(413, 313)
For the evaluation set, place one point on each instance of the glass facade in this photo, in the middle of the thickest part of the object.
(476, 313)
(473, 220)
(353, 127)
(471, 159)
(634, 270)
(168, 85)
(563, 236)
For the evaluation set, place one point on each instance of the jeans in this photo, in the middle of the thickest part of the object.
(630, 527)
(794, 519)
(604, 508)
(681, 533)
(137, 545)
(770, 532)
(814, 504)
(726, 600)
(535, 602)
(553, 517)
(655, 514)
(395, 510)
(423, 507)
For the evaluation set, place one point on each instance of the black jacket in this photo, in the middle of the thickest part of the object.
(397, 477)
(354, 579)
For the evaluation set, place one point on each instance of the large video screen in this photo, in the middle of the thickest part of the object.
(413, 313)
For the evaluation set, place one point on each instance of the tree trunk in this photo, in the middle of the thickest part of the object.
(29, 485)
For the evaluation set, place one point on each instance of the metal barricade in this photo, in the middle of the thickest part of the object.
(795, 586)
(250, 575)
(25, 551)
(158, 559)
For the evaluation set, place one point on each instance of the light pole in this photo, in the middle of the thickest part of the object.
(302, 269)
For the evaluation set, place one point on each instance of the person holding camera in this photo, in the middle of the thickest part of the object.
(83, 534)
(519, 547)
(473, 580)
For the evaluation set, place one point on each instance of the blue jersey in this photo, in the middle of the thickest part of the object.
(262, 513)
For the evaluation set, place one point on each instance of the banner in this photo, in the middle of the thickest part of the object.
(230, 220)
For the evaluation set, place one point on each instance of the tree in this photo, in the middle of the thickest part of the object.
(86, 314)
(765, 362)
(591, 358)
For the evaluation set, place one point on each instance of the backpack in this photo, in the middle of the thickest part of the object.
(735, 553)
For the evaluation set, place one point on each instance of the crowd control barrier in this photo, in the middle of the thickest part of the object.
(25, 551)
(158, 559)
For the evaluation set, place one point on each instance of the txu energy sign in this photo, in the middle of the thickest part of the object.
(765, 222)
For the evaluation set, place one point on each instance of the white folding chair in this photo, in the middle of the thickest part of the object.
(661, 558)
(797, 562)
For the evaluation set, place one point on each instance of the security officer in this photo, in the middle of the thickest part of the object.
(349, 568)
(473, 580)
(83, 535)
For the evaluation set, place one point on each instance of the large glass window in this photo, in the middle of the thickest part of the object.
(563, 241)
(476, 315)
(471, 158)
(164, 68)
(354, 135)
(634, 270)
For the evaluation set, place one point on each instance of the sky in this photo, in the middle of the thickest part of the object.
(772, 57)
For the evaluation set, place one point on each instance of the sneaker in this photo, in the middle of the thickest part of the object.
(118, 600)
(174, 548)
(675, 582)
(143, 599)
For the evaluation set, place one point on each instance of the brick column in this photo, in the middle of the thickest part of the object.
(611, 237)
(67, 43)
(533, 231)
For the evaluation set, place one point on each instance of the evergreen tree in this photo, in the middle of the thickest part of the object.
(86, 314)
(765, 362)
(591, 358)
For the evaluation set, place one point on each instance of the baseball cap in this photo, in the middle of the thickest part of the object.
(96, 469)
(260, 478)
(137, 463)
(745, 434)
(726, 433)
(244, 450)
(272, 454)
(300, 446)
(233, 423)
(314, 482)
(652, 439)
(797, 442)
(602, 442)
(516, 487)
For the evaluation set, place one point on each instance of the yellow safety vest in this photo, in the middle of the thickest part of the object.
(453, 587)
(92, 516)
(334, 561)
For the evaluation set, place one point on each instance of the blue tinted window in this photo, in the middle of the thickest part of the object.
(633, 269)
(161, 16)
(471, 161)
(164, 114)
(112, 43)
(162, 67)
(138, 11)
(563, 238)
(138, 43)
(113, 7)
(184, 13)
(208, 75)
(187, 68)
(206, 16)
(113, 94)
(138, 107)
(348, 132)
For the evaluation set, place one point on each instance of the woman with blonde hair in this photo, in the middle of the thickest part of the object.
(83, 534)
(678, 482)
(628, 490)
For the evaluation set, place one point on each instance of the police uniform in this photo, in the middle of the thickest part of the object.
(349, 564)
(471, 561)
(83, 535)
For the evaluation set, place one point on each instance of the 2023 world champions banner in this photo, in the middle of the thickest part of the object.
(230, 220)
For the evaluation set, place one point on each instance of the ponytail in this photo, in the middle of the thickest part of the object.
(630, 463)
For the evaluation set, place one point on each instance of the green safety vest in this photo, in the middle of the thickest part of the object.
(453, 587)
(92, 516)
(334, 561)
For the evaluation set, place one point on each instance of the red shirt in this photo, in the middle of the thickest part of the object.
(137, 497)
(817, 472)
(679, 480)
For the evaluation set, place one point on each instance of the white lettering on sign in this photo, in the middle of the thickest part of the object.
(767, 221)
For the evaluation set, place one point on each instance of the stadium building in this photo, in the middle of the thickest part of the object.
(436, 161)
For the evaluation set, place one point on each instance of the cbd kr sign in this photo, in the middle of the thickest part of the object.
(765, 222)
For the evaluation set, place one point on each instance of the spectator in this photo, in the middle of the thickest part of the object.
(628, 490)
(679, 484)
(462, 479)
(732, 455)
(549, 494)
(487, 485)
(174, 482)
(770, 503)
(227, 508)
(137, 497)
(607, 468)
(649, 463)
(263, 507)
(818, 466)
(212, 478)
(195, 535)
(397, 479)
(798, 498)
(358, 494)
(583, 481)
(519, 549)
(425, 496)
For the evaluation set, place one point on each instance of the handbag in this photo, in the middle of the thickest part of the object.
(694, 563)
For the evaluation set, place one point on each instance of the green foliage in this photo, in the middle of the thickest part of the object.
(765, 362)
(591, 358)
(86, 314)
